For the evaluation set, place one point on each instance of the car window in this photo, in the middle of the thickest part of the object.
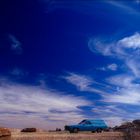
(82, 122)
(87, 122)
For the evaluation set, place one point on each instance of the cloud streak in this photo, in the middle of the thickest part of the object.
(112, 67)
(83, 83)
(15, 44)
(128, 96)
(127, 50)
(42, 104)
(124, 6)
(115, 114)
(119, 49)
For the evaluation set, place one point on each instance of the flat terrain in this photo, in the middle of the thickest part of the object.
(65, 136)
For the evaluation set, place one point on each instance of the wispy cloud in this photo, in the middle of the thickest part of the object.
(15, 44)
(126, 49)
(112, 67)
(125, 96)
(112, 114)
(100, 46)
(131, 41)
(34, 102)
(126, 93)
(80, 81)
(83, 83)
(133, 65)
(123, 5)
(109, 109)
(121, 80)
(18, 72)
(115, 114)
(127, 90)
(127, 84)
(119, 48)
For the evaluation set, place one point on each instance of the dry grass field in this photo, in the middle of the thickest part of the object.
(67, 136)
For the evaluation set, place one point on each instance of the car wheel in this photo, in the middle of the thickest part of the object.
(75, 130)
(99, 130)
(93, 131)
(71, 131)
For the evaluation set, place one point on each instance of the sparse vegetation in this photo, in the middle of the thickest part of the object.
(29, 130)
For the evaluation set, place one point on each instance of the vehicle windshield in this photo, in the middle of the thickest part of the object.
(82, 122)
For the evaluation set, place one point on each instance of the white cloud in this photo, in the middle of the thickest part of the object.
(133, 65)
(83, 83)
(112, 67)
(127, 90)
(37, 104)
(131, 41)
(127, 85)
(126, 49)
(23, 121)
(113, 114)
(15, 44)
(121, 80)
(96, 45)
(129, 47)
(109, 110)
(125, 96)
(117, 48)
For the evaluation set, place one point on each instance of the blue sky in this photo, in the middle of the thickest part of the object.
(64, 61)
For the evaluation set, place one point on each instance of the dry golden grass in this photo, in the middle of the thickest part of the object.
(65, 136)
(68, 136)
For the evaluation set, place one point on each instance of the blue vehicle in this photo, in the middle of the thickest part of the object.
(87, 125)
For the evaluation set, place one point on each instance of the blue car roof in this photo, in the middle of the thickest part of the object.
(96, 121)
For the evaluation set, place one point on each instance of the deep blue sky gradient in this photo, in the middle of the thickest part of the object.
(53, 38)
